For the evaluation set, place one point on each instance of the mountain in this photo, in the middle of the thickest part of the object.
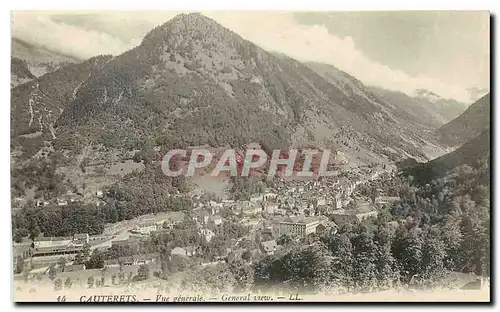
(19, 72)
(477, 93)
(424, 107)
(39, 60)
(193, 82)
(427, 94)
(37, 104)
(468, 125)
(475, 153)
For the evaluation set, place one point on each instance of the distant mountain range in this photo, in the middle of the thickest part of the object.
(424, 107)
(37, 60)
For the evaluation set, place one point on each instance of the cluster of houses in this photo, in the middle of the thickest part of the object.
(132, 260)
(159, 222)
(53, 246)
(293, 208)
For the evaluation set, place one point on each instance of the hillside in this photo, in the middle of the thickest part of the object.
(425, 108)
(474, 153)
(193, 82)
(39, 60)
(36, 105)
(468, 125)
(19, 72)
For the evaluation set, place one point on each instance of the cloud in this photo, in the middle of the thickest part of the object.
(280, 32)
(94, 33)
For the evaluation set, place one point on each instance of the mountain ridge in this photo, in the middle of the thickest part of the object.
(468, 125)
(281, 96)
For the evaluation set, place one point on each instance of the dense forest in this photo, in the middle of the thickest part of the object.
(139, 193)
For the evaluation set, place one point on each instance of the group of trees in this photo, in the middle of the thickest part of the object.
(74, 218)
(243, 187)
(123, 202)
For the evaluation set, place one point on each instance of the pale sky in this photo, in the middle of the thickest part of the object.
(446, 52)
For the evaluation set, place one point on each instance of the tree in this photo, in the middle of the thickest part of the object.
(209, 279)
(79, 259)
(364, 264)
(61, 263)
(246, 255)
(96, 260)
(433, 256)
(52, 272)
(243, 275)
(283, 239)
(86, 251)
(386, 267)
(452, 239)
(90, 281)
(68, 283)
(409, 253)
(57, 284)
(143, 272)
(19, 264)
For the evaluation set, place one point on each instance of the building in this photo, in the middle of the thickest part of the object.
(111, 263)
(326, 227)
(191, 251)
(321, 201)
(270, 207)
(43, 242)
(62, 202)
(214, 207)
(279, 212)
(61, 250)
(74, 267)
(208, 234)
(202, 217)
(297, 226)
(82, 238)
(270, 196)
(386, 200)
(145, 228)
(171, 218)
(362, 212)
(256, 198)
(235, 255)
(129, 260)
(132, 239)
(268, 247)
(178, 251)
(249, 209)
(215, 220)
